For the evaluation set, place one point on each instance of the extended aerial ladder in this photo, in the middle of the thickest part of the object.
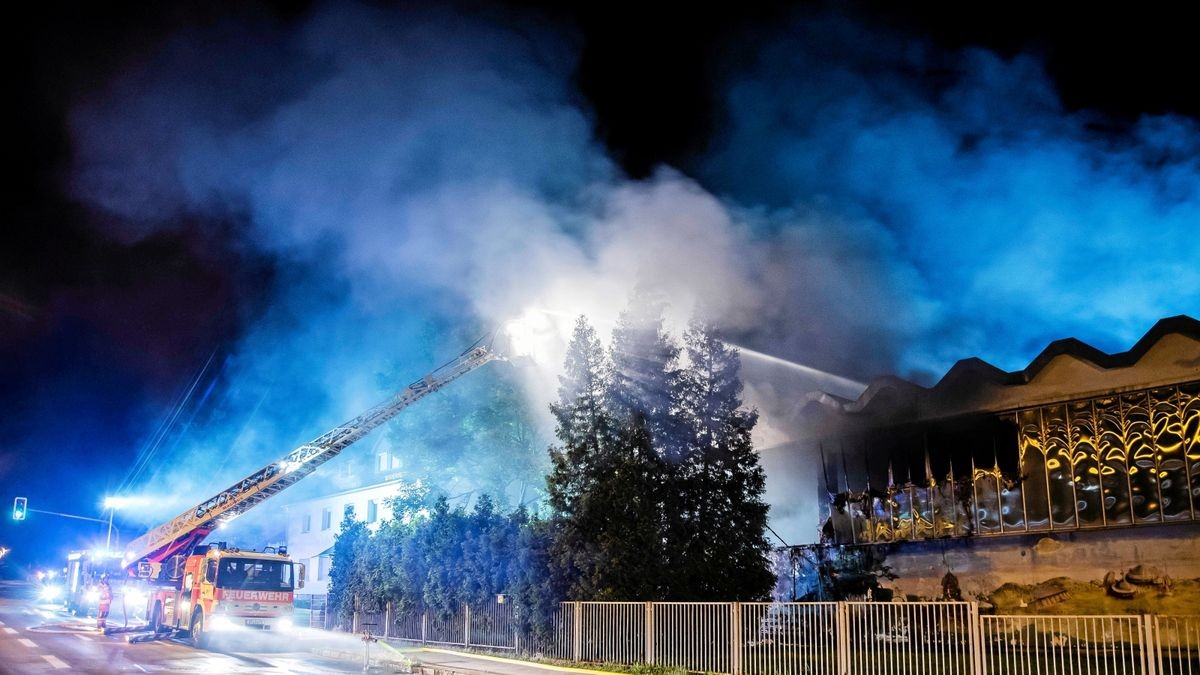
(182, 533)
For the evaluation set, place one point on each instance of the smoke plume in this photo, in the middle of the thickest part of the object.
(418, 175)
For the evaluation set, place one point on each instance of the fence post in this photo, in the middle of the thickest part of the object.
(577, 632)
(974, 641)
(424, 626)
(354, 617)
(735, 638)
(1151, 651)
(650, 633)
(516, 633)
(843, 639)
(387, 618)
(466, 625)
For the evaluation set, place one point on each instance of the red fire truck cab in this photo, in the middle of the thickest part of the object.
(228, 592)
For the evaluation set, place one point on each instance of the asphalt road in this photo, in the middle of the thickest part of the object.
(38, 638)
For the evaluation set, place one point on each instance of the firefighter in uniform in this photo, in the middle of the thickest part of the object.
(105, 603)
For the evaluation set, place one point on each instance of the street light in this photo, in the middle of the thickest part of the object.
(112, 505)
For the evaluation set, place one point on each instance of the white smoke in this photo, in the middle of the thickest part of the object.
(414, 170)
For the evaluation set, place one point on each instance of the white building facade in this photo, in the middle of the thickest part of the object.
(313, 525)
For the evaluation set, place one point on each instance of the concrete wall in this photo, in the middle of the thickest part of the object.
(984, 564)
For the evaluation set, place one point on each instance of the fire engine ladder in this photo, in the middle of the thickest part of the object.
(190, 527)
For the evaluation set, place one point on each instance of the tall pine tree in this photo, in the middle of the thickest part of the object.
(723, 483)
(645, 370)
(585, 432)
(644, 397)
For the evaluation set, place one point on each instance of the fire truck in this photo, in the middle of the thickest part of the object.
(212, 589)
(81, 590)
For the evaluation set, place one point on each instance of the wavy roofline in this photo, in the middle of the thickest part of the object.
(976, 372)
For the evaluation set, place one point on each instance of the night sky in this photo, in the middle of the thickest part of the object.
(230, 219)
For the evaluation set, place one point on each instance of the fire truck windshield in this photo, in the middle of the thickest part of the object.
(255, 575)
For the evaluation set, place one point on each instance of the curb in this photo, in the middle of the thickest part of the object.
(401, 661)
(357, 657)
(501, 659)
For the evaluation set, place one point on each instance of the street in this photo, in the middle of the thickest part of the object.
(40, 638)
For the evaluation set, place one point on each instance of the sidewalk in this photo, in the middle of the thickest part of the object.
(385, 657)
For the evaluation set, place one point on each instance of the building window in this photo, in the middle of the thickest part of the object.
(326, 518)
(306, 523)
(319, 566)
(372, 511)
(386, 461)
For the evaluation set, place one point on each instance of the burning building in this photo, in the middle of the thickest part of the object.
(1082, 466)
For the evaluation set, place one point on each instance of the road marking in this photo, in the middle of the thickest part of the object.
(28, 643)
(85, 638)
(139, 667)
(10, 631)
(55, 661)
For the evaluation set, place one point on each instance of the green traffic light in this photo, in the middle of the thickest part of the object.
(20, 505)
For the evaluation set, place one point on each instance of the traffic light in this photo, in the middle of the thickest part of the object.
(20, 505)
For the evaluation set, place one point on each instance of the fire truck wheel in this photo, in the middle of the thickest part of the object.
(199, 637)
(156, 617)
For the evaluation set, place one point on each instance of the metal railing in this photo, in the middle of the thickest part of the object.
(820, 638)
(559, 643)
(1177, 642)
(697, 636)
(789, 638)
(909, 637)
(1064, 644)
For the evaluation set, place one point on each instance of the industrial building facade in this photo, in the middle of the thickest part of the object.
(1083, 465)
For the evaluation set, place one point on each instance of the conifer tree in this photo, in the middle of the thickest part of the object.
(346, 580)
(643, 394)
(631, 540)
(585, 432)
(645, 369)
(723, 482)
(490, 539)
(442, 542)
(535, 581)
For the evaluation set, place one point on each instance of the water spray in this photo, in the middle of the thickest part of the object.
(823, 378)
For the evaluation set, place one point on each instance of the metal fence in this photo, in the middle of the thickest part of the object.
(309, 611)
(909, 637)
(820, 638)
(1064, 644)
(789, 638)
(1177, 644)
(560, 643)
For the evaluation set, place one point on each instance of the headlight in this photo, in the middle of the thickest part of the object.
(284, 626)
(50, 593)
(93, 595)
(219, 623)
